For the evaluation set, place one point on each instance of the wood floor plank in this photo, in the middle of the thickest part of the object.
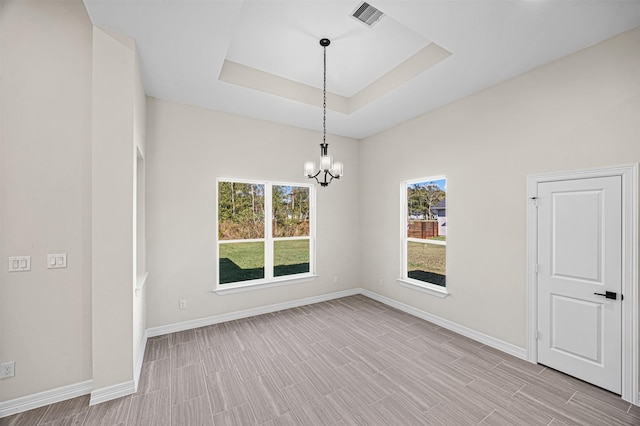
(321, 375)
(363, 385)
(249, 364)
(634, 411)
(610, 398)
(225, 390)
(330, 354)
(240, 415)
(194, 412)
(215, 359)
(395, 410)
(265, 399)
(600, 411)
(155, 375)
(208, 337)
(184, 354)
(357, 353)
(187, 383)
(307, 335)
(504, 418)
(283, 372)
(157, 348)
(352, 410)
(447, 414)
(73, 420)
(150, 409)
(182, 337)
(337, 338)
(263, 345)
(66, 408)
(26, 418)
(295, 350)
(110, 413)
(419, 393)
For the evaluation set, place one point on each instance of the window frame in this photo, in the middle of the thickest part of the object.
(269, 280)
(405, 280)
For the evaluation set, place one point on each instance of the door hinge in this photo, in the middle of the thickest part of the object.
(538, 335)
(537, 268)
(534, 200)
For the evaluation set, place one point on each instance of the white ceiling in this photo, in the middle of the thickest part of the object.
(183, 45)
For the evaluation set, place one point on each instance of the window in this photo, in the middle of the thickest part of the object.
(424, 233)
(253, 250)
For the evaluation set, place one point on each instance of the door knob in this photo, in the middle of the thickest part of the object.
(608, 294)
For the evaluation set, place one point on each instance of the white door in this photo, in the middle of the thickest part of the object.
(579, 261)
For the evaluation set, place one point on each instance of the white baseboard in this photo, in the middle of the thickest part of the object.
(498, 344)
(112, 392)
(40, 399)
(216, 319)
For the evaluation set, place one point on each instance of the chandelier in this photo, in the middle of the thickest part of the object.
(328, 169)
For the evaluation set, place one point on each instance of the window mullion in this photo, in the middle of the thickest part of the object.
(268, 223)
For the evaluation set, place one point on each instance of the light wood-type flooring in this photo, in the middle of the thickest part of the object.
(350, 361)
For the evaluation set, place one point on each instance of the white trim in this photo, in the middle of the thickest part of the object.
(275, 282)
(428, 288)
(140, 360)
(112, 392)
(41, 399)
(216, 319)
(498, 344)
(268, 279)
(629, 176)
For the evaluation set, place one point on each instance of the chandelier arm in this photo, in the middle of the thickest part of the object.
(314, 176)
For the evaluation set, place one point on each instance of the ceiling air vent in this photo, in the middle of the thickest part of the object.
(367, 14)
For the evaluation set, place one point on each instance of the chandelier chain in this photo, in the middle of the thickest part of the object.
(324, 101)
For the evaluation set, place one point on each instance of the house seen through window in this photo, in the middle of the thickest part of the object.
(425, 231)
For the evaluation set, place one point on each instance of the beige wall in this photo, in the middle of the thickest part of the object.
(581, 111)
(187, 149)
(118, 130)
(46, 194)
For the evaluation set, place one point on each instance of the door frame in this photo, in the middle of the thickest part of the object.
(629, 177)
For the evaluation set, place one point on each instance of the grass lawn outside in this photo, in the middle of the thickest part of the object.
(427, 262)
(245, 261)
(290, 257)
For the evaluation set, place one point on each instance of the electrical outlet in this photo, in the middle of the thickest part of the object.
(380, 283)
(7, 369)
(183, 304)
(335, 279)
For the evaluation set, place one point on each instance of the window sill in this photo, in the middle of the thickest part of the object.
(277, 282)
(431, 289)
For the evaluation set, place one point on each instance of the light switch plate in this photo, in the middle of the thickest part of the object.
(56, 261)
(19, 263)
